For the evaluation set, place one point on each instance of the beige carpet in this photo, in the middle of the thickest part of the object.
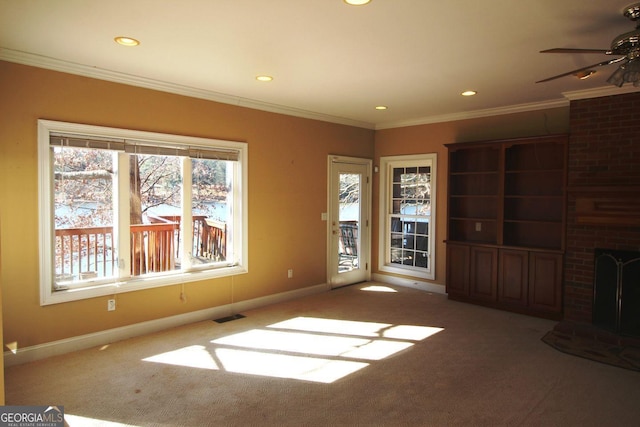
(349, 357)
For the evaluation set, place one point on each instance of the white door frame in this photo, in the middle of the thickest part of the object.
(335, 279)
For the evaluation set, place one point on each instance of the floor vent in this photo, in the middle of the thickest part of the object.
(229, 318)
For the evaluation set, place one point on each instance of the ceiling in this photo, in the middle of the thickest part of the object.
(328, 60)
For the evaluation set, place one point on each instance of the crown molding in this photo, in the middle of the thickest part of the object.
(40, 61)
(599, 92)
(476, 114)
(132, 80)
(568, 96)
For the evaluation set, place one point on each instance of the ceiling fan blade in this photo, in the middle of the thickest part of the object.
(571, 50)
(599, 64)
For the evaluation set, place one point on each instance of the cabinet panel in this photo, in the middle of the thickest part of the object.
(545, 281)
(458, 270)
(513, 277)
(484, 273)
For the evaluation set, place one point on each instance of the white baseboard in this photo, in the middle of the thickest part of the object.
(55, 348)
(410, 283)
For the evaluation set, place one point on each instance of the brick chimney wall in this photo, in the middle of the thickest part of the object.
(604, 155)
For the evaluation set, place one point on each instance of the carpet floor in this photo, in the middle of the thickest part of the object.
(364, 355)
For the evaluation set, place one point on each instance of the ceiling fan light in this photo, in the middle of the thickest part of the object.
(617, 78)
(631, 76)
(632, 71)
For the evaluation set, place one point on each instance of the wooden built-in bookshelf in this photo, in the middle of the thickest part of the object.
(506, 211)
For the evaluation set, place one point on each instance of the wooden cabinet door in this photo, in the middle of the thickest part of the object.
(545, 281)
(484, 273)
(513, 277)
(457, 269)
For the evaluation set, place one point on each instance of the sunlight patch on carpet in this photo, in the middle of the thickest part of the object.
(302, 348)
(321, 345)
(77, 420)
(286, 366)
(195, 356)
(378, 288)
(332, 326)
(410, 332)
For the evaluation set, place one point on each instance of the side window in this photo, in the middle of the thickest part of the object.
(407, 208)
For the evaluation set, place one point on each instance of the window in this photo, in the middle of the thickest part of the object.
(407, 209)
(123, 210)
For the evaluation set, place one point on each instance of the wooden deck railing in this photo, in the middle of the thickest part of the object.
(88, 251)
(83, 253)
(152, 247)
(209, 236)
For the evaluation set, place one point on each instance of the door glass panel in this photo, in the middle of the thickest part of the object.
(349, 218)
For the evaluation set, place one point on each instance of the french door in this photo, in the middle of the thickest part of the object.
(348, 219)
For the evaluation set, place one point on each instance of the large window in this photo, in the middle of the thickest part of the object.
(407, 210)
(123, 210)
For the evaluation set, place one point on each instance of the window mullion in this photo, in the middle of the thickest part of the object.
(121, 218)
(186, 225)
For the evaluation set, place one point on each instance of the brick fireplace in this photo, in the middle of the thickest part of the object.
(603, 205)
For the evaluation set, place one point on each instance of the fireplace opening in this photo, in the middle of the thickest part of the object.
(616, 295)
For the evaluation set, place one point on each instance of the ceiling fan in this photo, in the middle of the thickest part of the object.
(626, 45)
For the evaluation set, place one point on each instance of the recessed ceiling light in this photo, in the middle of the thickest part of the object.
(126, 41)
(356, 2)
(381, 107)
(264, 78)
(468, 93)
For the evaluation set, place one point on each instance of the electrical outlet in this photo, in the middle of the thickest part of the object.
(478, 226)
(290, 273)
(111, 305)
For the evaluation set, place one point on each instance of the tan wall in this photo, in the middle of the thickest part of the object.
(287, 194)
(2, 399)
(431, 139)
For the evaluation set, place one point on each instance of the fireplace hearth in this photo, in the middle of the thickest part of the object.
(616, 301)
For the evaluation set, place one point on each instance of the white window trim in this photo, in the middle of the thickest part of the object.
(46, 267)
(384, 262)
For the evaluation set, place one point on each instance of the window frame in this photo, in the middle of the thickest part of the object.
(387, 164)
(46, 228)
